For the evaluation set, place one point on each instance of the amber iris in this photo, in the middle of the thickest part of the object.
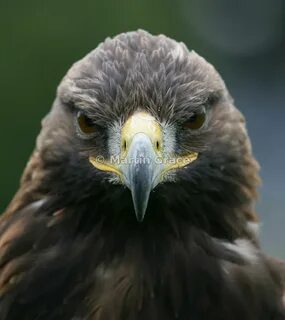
(85, 124)
(196, 121)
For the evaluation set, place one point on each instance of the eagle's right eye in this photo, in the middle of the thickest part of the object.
(85, 124)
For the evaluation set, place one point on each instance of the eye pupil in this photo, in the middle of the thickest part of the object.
(193, 118)
(196, 121)
(85, 124)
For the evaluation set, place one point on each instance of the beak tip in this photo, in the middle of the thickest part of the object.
(140, 212)
(140, 217)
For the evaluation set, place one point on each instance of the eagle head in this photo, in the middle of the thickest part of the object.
(149, 127)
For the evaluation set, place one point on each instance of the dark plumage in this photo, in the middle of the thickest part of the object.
(70, 244)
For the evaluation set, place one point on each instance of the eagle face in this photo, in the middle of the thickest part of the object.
(143, 112)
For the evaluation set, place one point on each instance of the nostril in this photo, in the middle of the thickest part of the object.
(124, 145)
(157, 145)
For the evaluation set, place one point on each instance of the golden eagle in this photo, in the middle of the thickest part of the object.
(138, 201)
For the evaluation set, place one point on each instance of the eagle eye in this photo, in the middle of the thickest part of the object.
(196, 121)
(85, 124)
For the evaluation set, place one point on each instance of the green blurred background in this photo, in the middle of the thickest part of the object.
(243, 39)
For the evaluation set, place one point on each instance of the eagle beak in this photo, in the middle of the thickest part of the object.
(141, 172)
(142, 163)
(141, 145)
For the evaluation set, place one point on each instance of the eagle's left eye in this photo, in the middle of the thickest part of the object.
(85, 124)
(196, 121)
